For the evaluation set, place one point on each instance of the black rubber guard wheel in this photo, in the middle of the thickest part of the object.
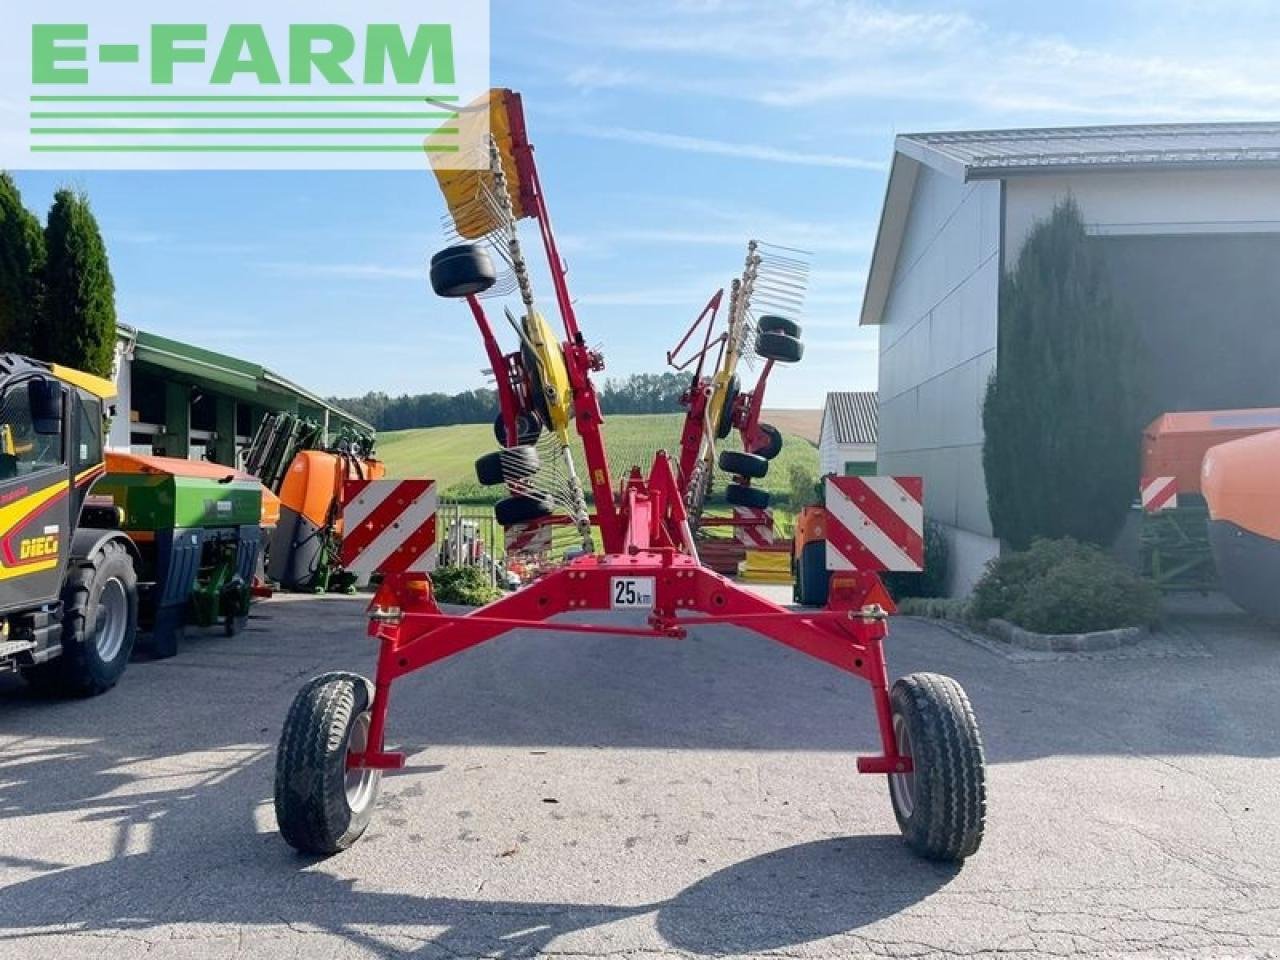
(743, 464)
(504, 466)
(941, 805)
(461, 271)
(741, 496)
(528, 429)
(775, 324)
(725, 423)
(321, 807)
(772, 445)
(779, 347)
(813, 579)
(99, 625)
(522, 509)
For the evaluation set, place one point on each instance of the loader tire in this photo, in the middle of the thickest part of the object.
(99, 625)
(321, 806)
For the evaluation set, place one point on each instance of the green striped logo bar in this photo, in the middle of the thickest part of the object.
(88, 86)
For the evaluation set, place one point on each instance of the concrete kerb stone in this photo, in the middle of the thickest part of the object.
(1065, 642)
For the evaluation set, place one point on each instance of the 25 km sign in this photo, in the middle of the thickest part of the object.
(145, 84)
(631, 593)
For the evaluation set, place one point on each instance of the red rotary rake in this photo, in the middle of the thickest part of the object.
(332, 753)
(716, 403)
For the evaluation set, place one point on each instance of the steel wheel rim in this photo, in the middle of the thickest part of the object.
(903, 785)
(359, 783)
(112, 620)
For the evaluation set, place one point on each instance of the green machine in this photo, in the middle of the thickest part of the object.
(197, 527)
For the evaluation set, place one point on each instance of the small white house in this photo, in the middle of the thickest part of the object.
(847, 444)
(1186, 218)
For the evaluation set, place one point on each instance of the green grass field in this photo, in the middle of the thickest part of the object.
(447, 454)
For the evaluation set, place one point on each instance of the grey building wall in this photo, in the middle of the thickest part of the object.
(937, 351)
(1195, 256)
(1208, 310)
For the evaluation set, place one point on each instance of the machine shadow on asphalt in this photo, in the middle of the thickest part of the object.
(179, 787)
(781, 899)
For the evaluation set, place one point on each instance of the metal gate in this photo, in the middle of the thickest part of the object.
(469, 536)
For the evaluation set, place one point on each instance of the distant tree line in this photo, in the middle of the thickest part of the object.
(57, 297)
(638, 393)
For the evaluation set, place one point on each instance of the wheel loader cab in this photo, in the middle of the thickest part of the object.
(68, 596)
(34, 489)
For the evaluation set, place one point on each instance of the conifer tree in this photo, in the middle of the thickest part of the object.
(1062, 413)
(21, 267)
(79, 316)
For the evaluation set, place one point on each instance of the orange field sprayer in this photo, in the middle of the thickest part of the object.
(332, 751)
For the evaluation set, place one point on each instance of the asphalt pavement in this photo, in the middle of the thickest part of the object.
(578, 796)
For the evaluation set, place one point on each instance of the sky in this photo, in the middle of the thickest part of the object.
(667, 135)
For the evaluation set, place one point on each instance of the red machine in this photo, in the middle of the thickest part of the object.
(716, 404)
(1174, 444)
(332, 750)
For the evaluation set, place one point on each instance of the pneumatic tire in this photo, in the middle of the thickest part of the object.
(941, 805)
(743, 464)
(743, 496)
(779, 347)
(462, 271)
(528, 429)
(725, 424)
(813, 579)
(773, 442)
(522, 509)
(506, 466)
(99, 625)
(775, 324)
(321, 807)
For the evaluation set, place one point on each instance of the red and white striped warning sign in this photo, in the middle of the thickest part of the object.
(1159, 493)
(528, 539)
(389, 526)
(875, 523)
(758, 532)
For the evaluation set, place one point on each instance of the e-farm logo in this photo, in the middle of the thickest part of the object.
(249, 85)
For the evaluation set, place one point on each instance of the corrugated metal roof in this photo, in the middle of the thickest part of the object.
(855, 416)
(985, 154)
(219, 368)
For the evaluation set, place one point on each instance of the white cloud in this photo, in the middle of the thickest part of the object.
(1171, 61)
(722, 148)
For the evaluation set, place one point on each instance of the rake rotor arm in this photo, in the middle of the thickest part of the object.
(579, 360)
(508, 402)
(707, 316)
(752, 435)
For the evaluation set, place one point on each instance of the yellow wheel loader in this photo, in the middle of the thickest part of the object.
(68, 583)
